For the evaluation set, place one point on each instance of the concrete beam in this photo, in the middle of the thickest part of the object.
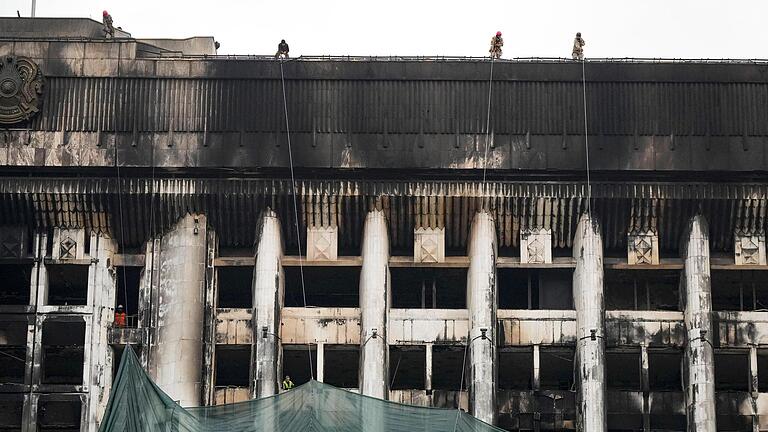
(590, 330)
(481, 303)
(175, 357)
(697, 290)
(374, 306)
(268, 289)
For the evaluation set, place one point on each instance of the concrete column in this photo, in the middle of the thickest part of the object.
(590, 314)
(697, 289)
(481, 302)
(428, 369)
(753, 387)
(536, 379)
(374, 299)
(268, 289)
(102, 291)
(175, 357)
(646, 387)
(320, 375)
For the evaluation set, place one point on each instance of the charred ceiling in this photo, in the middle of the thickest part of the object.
(232, 206)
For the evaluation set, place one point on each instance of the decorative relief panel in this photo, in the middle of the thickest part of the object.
(21, 84)
(13, 242)
(749, 249)
(643, 248)
(429, 245)
(68, 243)
(536, 246)
(322, 243)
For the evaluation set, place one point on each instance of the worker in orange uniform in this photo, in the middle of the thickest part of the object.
(496, 43)
(120, 317)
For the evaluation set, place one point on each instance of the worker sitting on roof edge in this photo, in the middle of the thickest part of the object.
(578, 47)
(496, 43)
(287, 383)
(282, 50)
(109, 30)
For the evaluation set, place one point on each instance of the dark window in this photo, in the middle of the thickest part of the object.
(535, 289)
(299, 363)
(762, 370)
(516, 369)
(407, 367)
(61, 414)
(556, 368)
(11, 411)
(642, 290)
(623, 370)
(13, 351)
(323, 286)
(665, 370)
(430, 288)
(67, 284)
(739, 290)
(446, 367)
(235, 287)
(63, 352)
(233, 364)
(732, 371)
(128, 283)
(16, 282)
(342, 363)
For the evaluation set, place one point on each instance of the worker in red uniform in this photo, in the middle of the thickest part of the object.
(120, 316)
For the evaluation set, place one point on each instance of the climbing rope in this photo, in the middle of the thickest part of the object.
(488, 123)
(586, 137)
(120, 193)
(295, 207)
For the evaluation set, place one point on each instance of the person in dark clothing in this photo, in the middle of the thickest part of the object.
(282, 50)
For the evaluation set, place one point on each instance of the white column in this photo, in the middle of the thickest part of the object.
(374, 299)
(481, 302)
(590, 314)
(320, 375)
(102, 291)
(700, 377)
(268, 289)
(176, 354)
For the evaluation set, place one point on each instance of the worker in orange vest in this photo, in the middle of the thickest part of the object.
(120, 317)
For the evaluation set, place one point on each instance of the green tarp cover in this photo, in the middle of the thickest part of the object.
(138, 404)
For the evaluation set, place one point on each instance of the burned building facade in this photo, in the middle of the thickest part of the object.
(426, 253)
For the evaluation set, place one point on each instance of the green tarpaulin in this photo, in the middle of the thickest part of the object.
(138, 404)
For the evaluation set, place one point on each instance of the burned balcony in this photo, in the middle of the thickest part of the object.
(300, 363)
(15, 289)
(341, 365)
(407, 367)
(13, 351)
(59, 413)
(652, 290)
(322, 287)
(235, 287)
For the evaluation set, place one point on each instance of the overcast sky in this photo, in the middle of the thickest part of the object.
(535, 28)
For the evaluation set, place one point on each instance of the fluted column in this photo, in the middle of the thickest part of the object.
(590, 330)
(176, 354)
(268, 289)
(695, 281)
(374, 298)
(481, 302)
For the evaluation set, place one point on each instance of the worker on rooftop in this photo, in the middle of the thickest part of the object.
(496, 43)
(578, 47)
(109, 30)
(282, 50)
(120, 317)
(287, 383)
